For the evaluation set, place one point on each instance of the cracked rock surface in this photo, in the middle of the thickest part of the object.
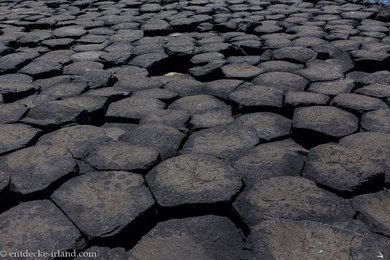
(207, 237)
(189, 179)
(103, 203)
(194, 129)
(290, 197)
(42, 218)
(312, 240)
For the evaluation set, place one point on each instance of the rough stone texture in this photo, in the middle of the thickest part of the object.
(162, 138)
(15, 136)
(5, 184)
(65, 90)
(272, 159)
(378, 77)
(206, 237)
(77, 139)
(321, 71)
(121, 156)
(197, 104)
(211, 118)
(376, 121)
(286, 239)
(375, 90)
(117, 130)
(193, 179)
(102, 203)
(148, 60)
(375, 146)
(267, 125)
(296, 53)
(221, 141)
(342, 169)
(10, 113)
(59, 112)
(69, 31)
(12, 89)
(162, 94)
(297, 99)
(184, 87)
(131, 82)
(257, 96)
(12, 61)
(374, 211)
(134, 108)
(293, 198)
(41, 166)
(358, 103)
(285, 81)
(326, 120)
(128, 85)
(38, 225)
(222, 87)
(279, 65)
(240, 71)
(332, 88)
(171, 117)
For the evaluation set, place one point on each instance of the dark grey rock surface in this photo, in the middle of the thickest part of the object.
(42, 219)
(279, 158)
(286, 239)
(103, 203)
(121, 155)
(175, 129)
(342, 169)
(326, 120)
(207, 237)
(191, 179)
(290, 197)
(35, 168)
(222, 141)
(374, 211)
(16, 136)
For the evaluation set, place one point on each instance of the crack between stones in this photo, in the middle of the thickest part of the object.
(83, 235)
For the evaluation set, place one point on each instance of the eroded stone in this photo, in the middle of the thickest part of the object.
(121, 156)
(38, 225)
(34, 169)
(103, 203)
(293, 198)
(193, 179)
(202, 238)
(341, 169)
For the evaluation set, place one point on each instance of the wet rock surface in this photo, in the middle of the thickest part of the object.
(173, 129)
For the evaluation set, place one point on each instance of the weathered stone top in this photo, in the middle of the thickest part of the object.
(195, 129)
